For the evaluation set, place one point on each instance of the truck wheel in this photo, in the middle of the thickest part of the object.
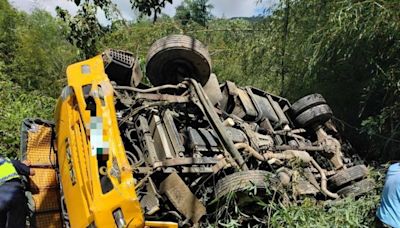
(240, 181)
(305, 103)
(357, 188)
(173, 58)
(316, 115)
(348, 175)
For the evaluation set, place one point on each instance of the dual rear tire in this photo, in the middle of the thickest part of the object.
(310, 110)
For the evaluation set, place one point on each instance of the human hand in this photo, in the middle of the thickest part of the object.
(26, 162)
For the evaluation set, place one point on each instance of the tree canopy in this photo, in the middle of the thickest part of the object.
(198, 11)
(150, 7)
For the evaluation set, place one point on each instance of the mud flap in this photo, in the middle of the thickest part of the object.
(182, 198)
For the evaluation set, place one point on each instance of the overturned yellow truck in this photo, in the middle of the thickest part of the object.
(133, 155)
(91, 152)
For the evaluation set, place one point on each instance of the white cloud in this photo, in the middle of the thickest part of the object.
(233, 8)
(125, 8)
(170, 8)
(48, 5)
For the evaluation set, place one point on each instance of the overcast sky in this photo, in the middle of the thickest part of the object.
(222, 8)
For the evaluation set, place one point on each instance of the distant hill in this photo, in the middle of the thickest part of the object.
(250, 19)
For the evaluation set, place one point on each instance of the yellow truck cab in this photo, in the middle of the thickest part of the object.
(97, 186)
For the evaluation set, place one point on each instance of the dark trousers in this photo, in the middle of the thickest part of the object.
(379, 224)
(13, 205)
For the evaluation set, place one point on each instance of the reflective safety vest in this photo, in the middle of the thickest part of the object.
(7, 170)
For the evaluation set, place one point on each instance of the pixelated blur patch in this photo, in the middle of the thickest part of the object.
(97, 137)
(85, 69)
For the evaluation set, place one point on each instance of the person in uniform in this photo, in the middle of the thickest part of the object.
(13, 203)
(389, 209)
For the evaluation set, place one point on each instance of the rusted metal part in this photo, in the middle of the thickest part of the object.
(254, 140)
(150, 90)
(212, 89)
(265, 108)
(332, 148)
(278, 111)
(236, 134)
(137, 74)
(246, 109)
(217, 125)
(255, 104)
(172, 132)
(150, 201)
(162, 143)
(115, 170)
(311, 177)
(146, 140)
(324, 188)
(284, 178)
(306, 148)
(182, 198)
(186, 161)
(242, 103)
(285, 155)
(143, 170)
(229, 91)
(288, 155)
(203, 140)
(303, 187)
(189, 169)
(221, 164)
(162, 97)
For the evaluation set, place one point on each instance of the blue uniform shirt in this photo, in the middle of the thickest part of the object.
(389, 210)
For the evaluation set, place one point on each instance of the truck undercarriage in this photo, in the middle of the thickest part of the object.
(191, 145)
(185, 146)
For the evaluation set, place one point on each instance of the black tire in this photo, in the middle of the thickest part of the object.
(305, 103)
(316, 115)
(357, 188)
(242, 180)
(348, 175)
(173, 58)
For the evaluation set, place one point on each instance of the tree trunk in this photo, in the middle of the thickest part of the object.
(155, 16)
(284, 43)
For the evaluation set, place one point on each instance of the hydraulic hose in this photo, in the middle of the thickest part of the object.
(150, 90)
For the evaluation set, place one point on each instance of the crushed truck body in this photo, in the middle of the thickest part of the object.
(129, 153)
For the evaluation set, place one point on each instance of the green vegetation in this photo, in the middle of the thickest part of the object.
(150, 7)
(309, 213)
(34, 54)
(194, 10)
(17, 104)
(268, 209)
(346, 50)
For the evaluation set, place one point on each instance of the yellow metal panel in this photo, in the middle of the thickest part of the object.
(85, 201)
(77, 205)
(154, 224)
